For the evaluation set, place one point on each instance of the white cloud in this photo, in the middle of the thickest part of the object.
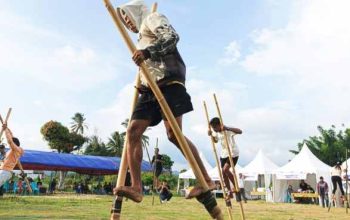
(311, 53)
(231, 55)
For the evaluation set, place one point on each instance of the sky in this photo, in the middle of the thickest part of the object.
(278, 68)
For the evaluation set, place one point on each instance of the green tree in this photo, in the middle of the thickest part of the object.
(78, 123)
(60, 139)
(96, 147)
(115, 144)
(329, 146)
(167, 163)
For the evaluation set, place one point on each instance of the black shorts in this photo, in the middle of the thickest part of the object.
(158, 171)
(225, 160)
(148, 108)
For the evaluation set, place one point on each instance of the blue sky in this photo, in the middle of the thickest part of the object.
(279, 69)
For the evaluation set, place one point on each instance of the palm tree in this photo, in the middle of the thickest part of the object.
(78, 123)
(115, 144)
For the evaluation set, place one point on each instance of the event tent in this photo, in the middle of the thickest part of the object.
(189, 173)
(260, 165)
(94, 165)
(258, 174)
(304, 166)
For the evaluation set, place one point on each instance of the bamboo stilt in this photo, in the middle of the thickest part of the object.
(154, 182)
(214, 209)
(18, 162)
(226, 196)
(117, 204)
(230, 156)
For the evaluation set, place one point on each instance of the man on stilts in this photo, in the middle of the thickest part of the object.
(224, 156)
(12, 156)
(157, 47)
(157, 163)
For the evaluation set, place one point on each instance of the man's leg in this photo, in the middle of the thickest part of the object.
(229, 174)
(193, 149)
(226, 180)
(134, 155)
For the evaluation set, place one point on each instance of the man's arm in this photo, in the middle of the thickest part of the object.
(167, 37)
(214, 138)
(9, 137)
(234, 130)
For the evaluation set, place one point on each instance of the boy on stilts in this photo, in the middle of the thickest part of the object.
(224, 156)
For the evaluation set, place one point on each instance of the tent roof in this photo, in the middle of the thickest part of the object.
(306, 163)
(261, 164)
(189, 173)
(96, 165)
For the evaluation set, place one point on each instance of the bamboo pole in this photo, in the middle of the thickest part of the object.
(117, 204)
(226, 196)
(154, 174)
(214, 209)
(18, 162)
(6, 119)
(230, 156)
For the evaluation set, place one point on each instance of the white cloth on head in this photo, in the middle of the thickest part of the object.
(4, 176)
(232, 143)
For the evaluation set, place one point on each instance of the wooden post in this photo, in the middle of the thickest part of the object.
(230, 156)
(214, 209)
(18, 162)
(226, 196)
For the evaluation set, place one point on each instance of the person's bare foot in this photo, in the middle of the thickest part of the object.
(128, 192)
(197, 190)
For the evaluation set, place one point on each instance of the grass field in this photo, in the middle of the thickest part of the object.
(97, 207)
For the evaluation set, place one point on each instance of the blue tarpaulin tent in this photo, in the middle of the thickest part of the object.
(95, 165)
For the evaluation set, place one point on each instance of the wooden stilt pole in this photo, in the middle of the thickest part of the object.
(154, 182)
(18, 162)
(230, 156)
(118, 201)
(226, 196)
(207, 199)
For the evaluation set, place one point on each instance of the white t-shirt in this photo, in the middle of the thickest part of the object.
(240, 182)
(336, 172)
(231, 142)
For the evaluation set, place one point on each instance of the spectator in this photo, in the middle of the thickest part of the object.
(164, 192)
(289, 194)
(322, 190)
(241, 192)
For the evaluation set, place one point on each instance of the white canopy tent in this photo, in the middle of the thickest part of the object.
(304, 166)
(259, 170)
(189, 173)
(260, 165)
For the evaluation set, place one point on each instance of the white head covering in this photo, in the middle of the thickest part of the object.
(136, 10)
